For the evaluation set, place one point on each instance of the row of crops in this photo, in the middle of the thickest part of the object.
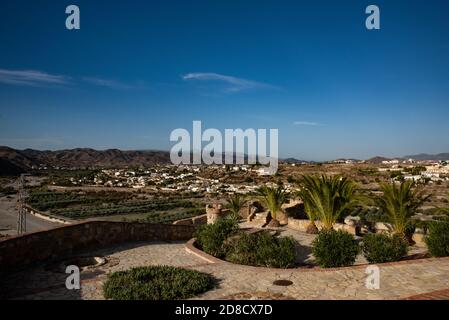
(170, 217)
(76, 205)
(48, 200)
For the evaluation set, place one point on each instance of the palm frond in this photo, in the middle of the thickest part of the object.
(273, 198)
(400, 202)
(328, 198)
(235, 203)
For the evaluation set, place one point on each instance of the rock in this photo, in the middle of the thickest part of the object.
(418, 239)
(344, 227)
(420, 231)
(295, 209)
(273, 224)
(352, 221)
(282, 217)
(382, 227)
(302, 224)
(312, 228)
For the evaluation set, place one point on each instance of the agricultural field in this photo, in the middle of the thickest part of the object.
(114, 205)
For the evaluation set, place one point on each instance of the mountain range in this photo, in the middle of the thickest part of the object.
(13, 162)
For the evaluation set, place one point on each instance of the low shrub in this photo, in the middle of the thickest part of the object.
(437, 238)
(261, 249)
(156, 283)
(210, 238)
(379, 248)
(335, 249)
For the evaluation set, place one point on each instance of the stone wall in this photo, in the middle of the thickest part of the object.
(61, 242)
(301, 225)
(45, 216)
(196, 221)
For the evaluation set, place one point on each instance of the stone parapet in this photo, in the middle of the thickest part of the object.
(60, 242)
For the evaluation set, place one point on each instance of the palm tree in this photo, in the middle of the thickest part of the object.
(399, 202)
(328, 198)
(235, 203)
(273, 198)
(303, 194)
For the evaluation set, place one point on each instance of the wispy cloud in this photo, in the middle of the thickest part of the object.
(306, 123)
(232, 84)
(40, 78)
(113, 84)
(31, 78)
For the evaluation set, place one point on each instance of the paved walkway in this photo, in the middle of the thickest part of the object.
(396, 282)
(435, 295)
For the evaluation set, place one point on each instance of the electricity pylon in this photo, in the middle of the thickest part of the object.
(22, 218)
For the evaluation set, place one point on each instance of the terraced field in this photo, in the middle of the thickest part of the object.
(123, 205)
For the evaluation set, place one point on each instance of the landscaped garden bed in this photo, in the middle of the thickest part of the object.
(224, 240)
(157, 283)
(327, 202)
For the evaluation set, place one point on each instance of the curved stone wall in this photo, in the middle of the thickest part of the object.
(20, 251)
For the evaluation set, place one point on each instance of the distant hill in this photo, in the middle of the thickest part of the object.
(14, 162)
(418, 157)
(425, 156)
(377, 160)
(23, 160)
(292, 160)
(7, 168)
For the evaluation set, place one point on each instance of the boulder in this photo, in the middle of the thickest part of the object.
(382, 227)
(349, 229)
(282, 217)
(418, 239)
(352, 221)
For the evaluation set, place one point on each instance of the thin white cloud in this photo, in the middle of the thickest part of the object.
(233, 84)
(41, 79)
(113, 84)
(31, 78)
(306, 123)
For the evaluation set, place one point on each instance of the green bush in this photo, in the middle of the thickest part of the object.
(437, 239)
(335, 249)
(156, 283)
(379, 248)
(211, 237)
(261, 249)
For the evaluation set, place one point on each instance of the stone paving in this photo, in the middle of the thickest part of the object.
(435, 295)
(398, 281)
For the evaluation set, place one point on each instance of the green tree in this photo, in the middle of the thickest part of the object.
(328, 198)
(400, 202)
(235, 203)
(273, 198)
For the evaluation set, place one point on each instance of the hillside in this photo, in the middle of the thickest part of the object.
(425, 156)
(21, 160)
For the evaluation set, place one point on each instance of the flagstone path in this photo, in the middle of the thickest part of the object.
(408, 279)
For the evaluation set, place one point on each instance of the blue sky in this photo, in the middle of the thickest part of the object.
(139, 69)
